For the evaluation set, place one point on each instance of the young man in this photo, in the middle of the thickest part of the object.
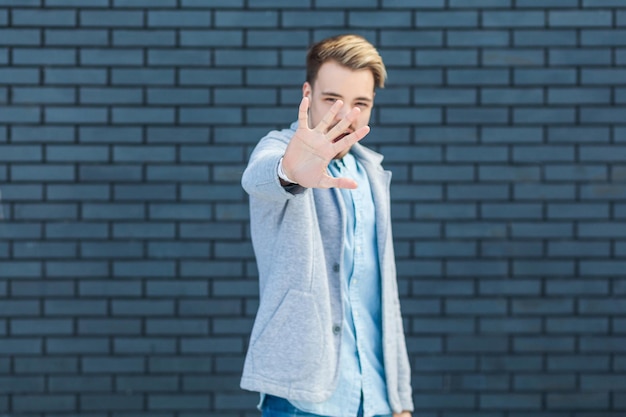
(328, 338)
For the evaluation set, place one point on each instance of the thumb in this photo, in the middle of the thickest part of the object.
(330, 182)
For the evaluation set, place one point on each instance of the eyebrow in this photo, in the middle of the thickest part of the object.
(335, 95)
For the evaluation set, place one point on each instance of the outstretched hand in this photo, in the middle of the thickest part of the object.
(310, 150)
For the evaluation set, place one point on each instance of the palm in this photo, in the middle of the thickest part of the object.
(310, 150)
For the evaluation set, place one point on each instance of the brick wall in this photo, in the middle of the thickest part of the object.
(127, 280)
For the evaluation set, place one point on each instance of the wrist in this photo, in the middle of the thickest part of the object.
(282, 175)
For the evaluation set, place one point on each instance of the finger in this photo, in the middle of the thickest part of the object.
(329, 182)
(329, 117)
(351, 139)
(303, 113)
(341, 127)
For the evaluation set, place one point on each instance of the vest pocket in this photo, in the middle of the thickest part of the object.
(291, 345)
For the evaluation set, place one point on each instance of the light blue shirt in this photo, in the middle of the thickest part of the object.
(361, 357)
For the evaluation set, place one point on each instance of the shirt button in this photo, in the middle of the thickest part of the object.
(336, 329)
(336, 267)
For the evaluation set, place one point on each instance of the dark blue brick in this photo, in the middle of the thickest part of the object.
(167, 173)
(43, 95)
(111, 249)
(144, 192)
(77, 230)
(478, 77)
(411, 115)
(77, 345)
(248, 19)
(576, 172)
(316, 19)
(75, 115)
(143, 230)
(147, 383)
(512, 19)
(543, 268)
(206, 77)
(481, 3)
(43, 18)
(545, 344)
(544, 115)
(436, 19)
(513, 325)
(14, 37)
(110, 134)
(579, 95)
(578, 211)
(144, 344)
(79, 383)
(21, 346)
(510, 211)
(476, 154)
(111, 18)
(580, 57)
(76, 37)
(239, 96)
(74, 76)
(43, 403)
(14, 76)
(508, 173)
(178, 96)
(144, 154)
(604, 115)
(263, 4)
(158, 269)
(30, 327)
(143, 76)
(42, 250)
(579, 287)
(46, 173)
(144, 3)
(448, 57)
(512, 134)
(510, 401)
(107, 173)
(439, 173)
(144, 38)
(112, 211)
(475, 230)
(77, 3)
(545, 37)
(42, 289)
(180, 212)
(478, 38)
(512, 57)
(168, 134)
(534, 154)
(19, 114)
(179, 57)
(548, 4)
(474, 192)
(105, 364)
(508, 287)
(545, 76)
(113, 57)
(20, 153)
(143, 115)
(579, 18)
(213, 38)
(44, 56)
(605, 76)
(68, 153)
(350, 3)
(240, 58)
(511, 96)
(210, 115)
(422, 38)
(109, 95)
(20, 269)
(179, 19)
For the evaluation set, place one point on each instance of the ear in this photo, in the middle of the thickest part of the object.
(307, 89)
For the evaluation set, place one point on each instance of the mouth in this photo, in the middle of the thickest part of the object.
(341, 136)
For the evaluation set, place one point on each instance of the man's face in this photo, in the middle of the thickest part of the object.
(335, 82)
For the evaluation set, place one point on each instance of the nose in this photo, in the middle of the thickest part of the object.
(343, 112)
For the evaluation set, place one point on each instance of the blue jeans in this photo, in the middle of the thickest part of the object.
(279, 407)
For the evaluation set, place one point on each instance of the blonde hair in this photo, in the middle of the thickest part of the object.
(351, 51)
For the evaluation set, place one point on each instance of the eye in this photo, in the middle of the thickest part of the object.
(362, 104)
(330, 99)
